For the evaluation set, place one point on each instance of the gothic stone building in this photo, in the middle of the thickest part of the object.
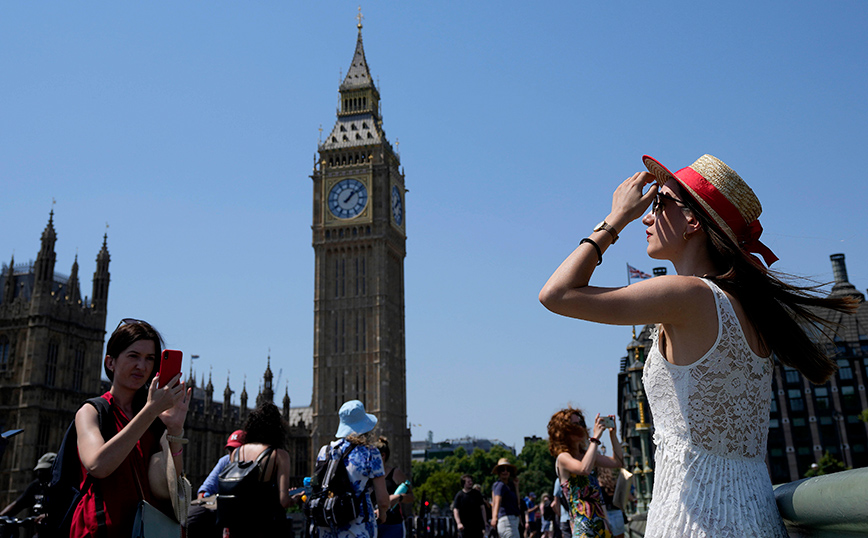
(51, 342)
(51, 356)
(359, 240)
(210, 422)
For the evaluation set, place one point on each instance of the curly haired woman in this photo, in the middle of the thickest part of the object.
(576, 458)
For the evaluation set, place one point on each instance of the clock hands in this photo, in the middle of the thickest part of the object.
(350, 195)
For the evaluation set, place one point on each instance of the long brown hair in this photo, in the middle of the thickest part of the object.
(561, 429)
(780, 312)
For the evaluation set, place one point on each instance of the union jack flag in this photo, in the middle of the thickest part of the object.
(634, 273)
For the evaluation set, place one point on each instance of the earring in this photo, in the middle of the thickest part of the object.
(684, 235)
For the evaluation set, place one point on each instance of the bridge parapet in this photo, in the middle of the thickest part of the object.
(826, 506)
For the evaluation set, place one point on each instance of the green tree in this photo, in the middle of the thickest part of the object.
(828, 464)
(864, 415)
(537, 472)
(439, 488)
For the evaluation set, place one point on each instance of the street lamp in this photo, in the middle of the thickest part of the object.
(642, 465)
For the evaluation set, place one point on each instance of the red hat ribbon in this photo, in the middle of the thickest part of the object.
(751, 243)
(747, 234)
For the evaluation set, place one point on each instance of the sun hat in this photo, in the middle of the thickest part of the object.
(354, 419)
(46, 461)
(236, 439)
(725, 198)
(502, 462)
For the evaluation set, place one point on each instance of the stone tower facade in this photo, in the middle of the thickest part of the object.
(51, 343)
(359, 242)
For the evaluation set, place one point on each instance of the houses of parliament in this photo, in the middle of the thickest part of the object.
(52, 335)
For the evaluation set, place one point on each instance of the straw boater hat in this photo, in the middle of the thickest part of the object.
(725, 198)
(502, 462)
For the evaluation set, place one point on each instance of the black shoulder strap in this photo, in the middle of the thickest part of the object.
(108, 430)
(332, 467)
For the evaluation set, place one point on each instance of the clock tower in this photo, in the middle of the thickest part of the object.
(359, 241)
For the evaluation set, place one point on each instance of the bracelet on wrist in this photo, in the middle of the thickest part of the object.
(177, 439)
(596, 247)
(594, 440)
(179, 452)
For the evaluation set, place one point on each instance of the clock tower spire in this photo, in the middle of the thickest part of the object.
(359, 243)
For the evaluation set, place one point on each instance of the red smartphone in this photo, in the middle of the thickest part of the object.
(170, 365)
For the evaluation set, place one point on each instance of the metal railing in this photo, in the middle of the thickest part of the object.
(825, 506)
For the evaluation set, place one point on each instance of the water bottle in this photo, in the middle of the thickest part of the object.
(404, 487)
(307, 489)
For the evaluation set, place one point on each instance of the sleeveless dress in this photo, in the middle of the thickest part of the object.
(587, 515)
(711, 422)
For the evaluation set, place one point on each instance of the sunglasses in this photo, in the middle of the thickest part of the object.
(657, 204)
(129, 321)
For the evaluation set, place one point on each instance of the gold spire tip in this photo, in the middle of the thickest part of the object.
(359, 18)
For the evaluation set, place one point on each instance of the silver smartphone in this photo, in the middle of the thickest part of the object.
(608, 422)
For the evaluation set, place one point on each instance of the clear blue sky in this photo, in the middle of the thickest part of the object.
(191, 128)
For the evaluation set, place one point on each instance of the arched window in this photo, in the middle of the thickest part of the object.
(51, 364)
(78, 367)
(4, 353)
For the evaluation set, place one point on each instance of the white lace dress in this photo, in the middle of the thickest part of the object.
(711, 421)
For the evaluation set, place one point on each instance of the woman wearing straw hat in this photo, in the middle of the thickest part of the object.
(505, 508)
(364, 466)
(708, 372)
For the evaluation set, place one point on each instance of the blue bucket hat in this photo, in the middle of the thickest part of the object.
(354, 419)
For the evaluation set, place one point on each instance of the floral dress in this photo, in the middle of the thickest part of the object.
(587, 515)
(363, 465)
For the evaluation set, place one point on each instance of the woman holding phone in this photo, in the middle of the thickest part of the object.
(576, 458)
(141, 413)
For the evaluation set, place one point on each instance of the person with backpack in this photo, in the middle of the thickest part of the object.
(253, 489)
(362, 466)
(117, 438)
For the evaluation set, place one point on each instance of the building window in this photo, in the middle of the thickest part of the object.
(4, 353)
(844, 369)
(848, 396)
(798, 422)
(803, 451)
(774, 423)
(774, 406)
(796, 401)
(78, 368)
(777, 452)
(42, 433)
(792, 374)
(822, 395)
(51, 365)
(825, 421)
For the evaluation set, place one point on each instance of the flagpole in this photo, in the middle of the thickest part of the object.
(628, 284)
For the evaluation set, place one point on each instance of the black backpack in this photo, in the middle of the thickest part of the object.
(63, 493)
(332, 502)
(241, 491)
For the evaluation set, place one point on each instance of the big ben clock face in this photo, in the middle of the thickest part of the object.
(397, 206)
(348, 198)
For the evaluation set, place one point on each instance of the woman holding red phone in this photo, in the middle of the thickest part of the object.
(141, 412)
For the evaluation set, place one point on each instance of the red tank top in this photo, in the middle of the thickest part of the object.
(120, 494)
